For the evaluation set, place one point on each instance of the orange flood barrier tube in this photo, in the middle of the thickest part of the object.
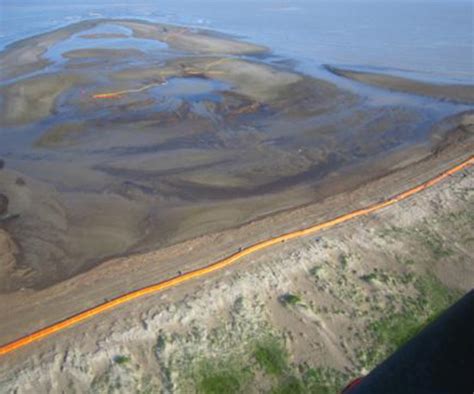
(89, 313)
(112, 95)
(120, 93)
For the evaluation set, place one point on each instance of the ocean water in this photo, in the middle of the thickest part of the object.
(430, 39)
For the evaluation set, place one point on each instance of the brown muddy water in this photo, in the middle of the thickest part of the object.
(124, 136)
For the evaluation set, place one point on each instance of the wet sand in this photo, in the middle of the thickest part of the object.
(448, 92)
(128, 149)
(103, 35)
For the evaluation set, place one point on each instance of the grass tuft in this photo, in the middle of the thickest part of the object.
(271, 357)
(220, 382)
(121, 359)
(344, 261)
(324, 380)
(290, 385)
(290, 299)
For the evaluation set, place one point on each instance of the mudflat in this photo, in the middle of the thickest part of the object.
(118, 144)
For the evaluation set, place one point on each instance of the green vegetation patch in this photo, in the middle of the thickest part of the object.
(462, 222)
(376, 276)
(316, 271)
(220, 382)
(344, 261)
(263, 367)
(121, 359)
(271, 357)
(394, 330)
(435, 295)
(369, 277)
(290, 299)
(397, 329)
(222, 376)
(290, 385)
(324, 380)
(424, 235)
(434, 243)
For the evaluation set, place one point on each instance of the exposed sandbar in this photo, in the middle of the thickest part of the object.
(256, 81)
(99, 36)
(191, 40)
(102, 53)
(27, 55)
(448, 92)
(32, 99)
